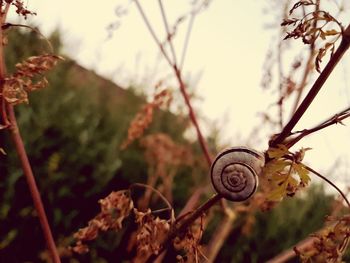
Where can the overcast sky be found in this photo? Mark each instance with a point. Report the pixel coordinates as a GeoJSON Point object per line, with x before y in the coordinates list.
{"type": "Point", "coordinates": [229, 43]}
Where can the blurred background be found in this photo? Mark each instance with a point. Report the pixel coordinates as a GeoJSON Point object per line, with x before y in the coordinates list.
{"type": "Point", "coordinates": [73, 129]}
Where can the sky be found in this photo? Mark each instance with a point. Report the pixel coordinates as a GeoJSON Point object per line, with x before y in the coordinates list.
{"type": "Point", "coordinates": [227, 50]}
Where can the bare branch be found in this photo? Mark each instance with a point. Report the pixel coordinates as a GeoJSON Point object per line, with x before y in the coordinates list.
{"type": "Point", "coordinates": [183, 225]}
{"type": "Point", "coordinates": [343, 47]}
{"type": "Point", "coordinates": [169, 206]}
{"type": "Point", "coordinates": [335, 119]}
{"type": "Point", "coordinates": [169, 35]}
{"type": "Point", "coordinates": [187, 40]}
{"type": "Point", "coordinates": [182, 86]}
{"type": "Point", "coordinates": [150, 29]}
{"type": "Point", "coordinates": [27, 170]}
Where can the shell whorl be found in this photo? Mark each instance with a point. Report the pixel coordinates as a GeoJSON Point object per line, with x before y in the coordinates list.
{"type": "Point", "coordinates": [235, 171]}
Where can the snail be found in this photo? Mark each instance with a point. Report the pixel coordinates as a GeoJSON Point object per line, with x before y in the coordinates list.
{"type": "Point", "coordinates": [235, 171]}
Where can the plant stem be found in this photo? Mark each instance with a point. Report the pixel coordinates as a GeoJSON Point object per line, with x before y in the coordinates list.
{"type": "Point", "coordinates": [337, 118]}
{"type": "Point", "coordinates": [329, 182]}
{"type": "Point", "coordinates": [181, 226]}
{"type": "Point", "coordinates": [167, 30]}
{"type": "Point", "coordinates": [182, 85]}
{"type": "Point", "coordinates": [22, 155]}
{"type": "Point", "coordinates": [193, 117]}
{"type": "Point", "coordinates": [39, 207]}
{"type": "Point", "coordinates": [187, 40]}
{"type": "Point", "coordinates": [343, 47]}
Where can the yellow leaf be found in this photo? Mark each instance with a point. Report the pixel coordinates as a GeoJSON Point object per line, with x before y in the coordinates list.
{"type": "Point", "coordinates": [292, 181]}
{"type": "Point", "coordinates": [302, 172]}
{"type": "Point", "coordinates": [278, 152]}
{"type": "Point", "coordinates": [278, 193]}
{"type": "Point", "coordinates": [276, 166]}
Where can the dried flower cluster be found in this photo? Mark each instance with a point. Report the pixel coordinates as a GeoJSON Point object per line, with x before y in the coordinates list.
{"type": "Point", "coordinates": [330, 244]}
{"type": "Point", "coordinates": [187, 242]}
{"type": "Point", "coordinates": [144, 118]}
{"type": "Point", "coordinates": [313, 26]}
{"type": "Point", "coordinates": [151, 233]}
{"type": "Point", "coordinates": [164, 158]}
{"type": "Point", "coordinates": [21, 9]}
{"type": "Point", "coordinates": [114, 209]}
{"type": "Point", "coordinates": [285, 172]}
{"type": "Point", "coordinates": [28, 77]}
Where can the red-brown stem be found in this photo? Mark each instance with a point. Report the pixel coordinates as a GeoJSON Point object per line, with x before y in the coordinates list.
{"type": "Point", "coordinates": [186, 223]}
{"type": "Point", "coordinates": [198, 212]}
{"type": "Point", "coordinates": [2, 73]}
{"type": "Point", "coordinates": [169, 36]}
{"type": "Point", "coordinates": [182, 85]}
{"type": "Point", "coordinates": [22, 155]}
{"type": "Point", "coordinates": [290, 253]}
{"type": "Point", "coordinates": [193, 117]}
{"type": "Point", "coordinates": [153, 34]}
{"type": "Point", "coordinates": [338, 118]}
{"type": "Point", "coordinates": [39, 207]}
{"type": "Point", "coordinates": [187, 40]}
{"type": "Point", "coordinates": [343, 47]}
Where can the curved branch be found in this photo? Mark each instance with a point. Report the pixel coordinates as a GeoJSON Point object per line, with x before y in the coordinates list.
{"type": "Point", "coordinates": [172, 216]}
{"type": "Point", "coordinates": [329, 182]}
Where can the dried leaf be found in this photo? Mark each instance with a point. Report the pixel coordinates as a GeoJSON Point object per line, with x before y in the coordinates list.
{"type": "Point", "coordinates": [144, 118]}
{"type": "Point", "coordinates": [151, 233]}
{"type": "Point", "coordinates": [114, 209]}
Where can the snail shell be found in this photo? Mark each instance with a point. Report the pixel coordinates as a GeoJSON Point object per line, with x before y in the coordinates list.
{"type": "Point", "coordinates": [235, 171]}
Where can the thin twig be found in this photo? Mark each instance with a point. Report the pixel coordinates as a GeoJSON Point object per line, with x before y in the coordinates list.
{"type": "Point", "coordinates": [308, 65]}
{"type": "Point", "coordinates": [187, 40]}
{"type": "Point", "coordinates": [182, 85]}
{"type": "Point", "coordinates": [181, 226]}
{"type": "Point", "coordinates": [150, 29]}
{"type": "Point", "coordinates": [343, 47]}
{"type": "Point", "coordinates": [193, 117]}
{"type": "Point", "coordinates": [172, 216]}
{"type": "Point", "coordinates": [329, 182]}
{"type": "Point", "coordinates": [169, 35]}
{"type": "Point", "coordinates": [335, 119]}
{"type": "Point", "coordinates": [7, 25]}
{"type": "Point", "coordinates": [288, 254]}
{"type": "Point", "coordinates": [198, 212]}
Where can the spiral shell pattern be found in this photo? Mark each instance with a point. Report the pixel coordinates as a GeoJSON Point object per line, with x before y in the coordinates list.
{"type": "Point", "coordinates": [235, 171]}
